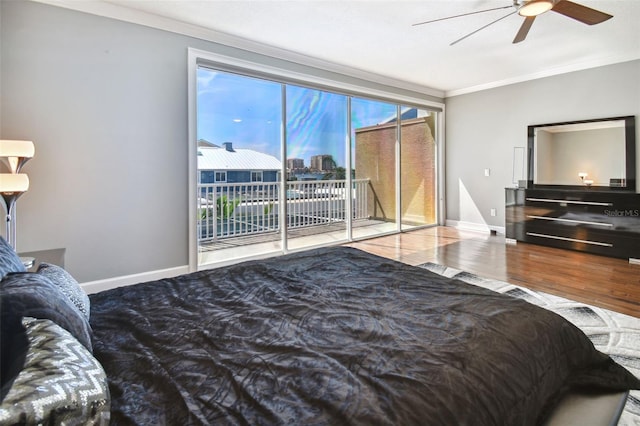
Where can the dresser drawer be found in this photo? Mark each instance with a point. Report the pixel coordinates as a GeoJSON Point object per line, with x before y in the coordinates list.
{"type": "Point", "coordinates": [606, 223]}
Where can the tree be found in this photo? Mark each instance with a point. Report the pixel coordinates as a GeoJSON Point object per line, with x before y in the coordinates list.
{"type": "Point", "coordinates": [339, 173]}
{"type": "Point", "coordinates": [225, 207]}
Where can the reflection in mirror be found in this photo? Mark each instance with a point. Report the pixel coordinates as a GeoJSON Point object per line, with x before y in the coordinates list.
{"type": "Point", "coordinates": [518, 164]}
{"type": "Point", "coordinates": [574, 154]}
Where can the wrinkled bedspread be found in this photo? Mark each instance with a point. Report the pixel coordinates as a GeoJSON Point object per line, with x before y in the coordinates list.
{"type": "Point", "coordinates": [335, 336]}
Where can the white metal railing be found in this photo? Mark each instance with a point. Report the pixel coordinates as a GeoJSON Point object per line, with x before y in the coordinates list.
{"type": "Point", "coordinates": [231, 210]}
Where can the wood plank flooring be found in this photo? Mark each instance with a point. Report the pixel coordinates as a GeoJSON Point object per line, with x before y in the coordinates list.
{"type": "Point", "coordinates": [596, 280]}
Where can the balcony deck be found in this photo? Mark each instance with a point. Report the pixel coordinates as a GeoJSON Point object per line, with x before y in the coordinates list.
{"type": "Point", "coordinates": [247, 246]}
{"type": "Point", "coordinates": [241, 221]}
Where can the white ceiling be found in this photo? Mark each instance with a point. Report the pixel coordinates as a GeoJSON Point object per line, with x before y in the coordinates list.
{"type": "Point", "coordinates": [377, 36]}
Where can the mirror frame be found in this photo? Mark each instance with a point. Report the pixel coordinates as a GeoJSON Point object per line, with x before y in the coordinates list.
{"type": "Point", "coordinates": [630, 155]}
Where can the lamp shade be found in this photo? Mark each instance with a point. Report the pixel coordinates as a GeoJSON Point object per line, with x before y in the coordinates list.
{"type": "Point", "coordinates": [13, 183]}
{"type": "Point", "coordinates": [16, 153]}
{"type": "Point", "coordinates": [12, 148]}
{"type": "Point", "coordinates": [535, 7]}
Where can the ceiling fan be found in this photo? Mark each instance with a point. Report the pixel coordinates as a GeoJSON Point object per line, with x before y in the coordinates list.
{"type": "Point", "coordinates": [530, 9]}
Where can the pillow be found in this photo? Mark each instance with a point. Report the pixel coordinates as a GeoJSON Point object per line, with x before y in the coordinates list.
{"type": "Point", "coordinates": [68, 285]}
{"type": "Point", "coordinates": [61, 382]}
{"type": "Point", "coordinates": [13, 348]}
{"type": "Point", "coordinates": [34, 295]}
{"type": "Point", "coordinates": [9, 259]}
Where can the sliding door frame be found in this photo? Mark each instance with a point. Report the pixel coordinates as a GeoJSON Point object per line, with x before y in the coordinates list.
{"type": "Point", "coordinates": [266, 69]}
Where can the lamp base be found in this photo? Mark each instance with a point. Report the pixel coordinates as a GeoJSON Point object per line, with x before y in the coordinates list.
{"type": "Point", "coordinates": [10, 201]}
{"type": "Point", "coordinates": [28, 262]}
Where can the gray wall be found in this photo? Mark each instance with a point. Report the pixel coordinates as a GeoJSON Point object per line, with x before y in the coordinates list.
{"type": "Point", "coordinates": [105, 103]}
{"type": "Point", "coordinates": [483, 127]}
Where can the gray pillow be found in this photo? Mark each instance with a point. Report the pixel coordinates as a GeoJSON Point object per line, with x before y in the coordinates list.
{"type": "Point", "coordinates": [34, 295]}
{"type": "Point", "coordinates": [9, 260]}
{"type": "Point", "coordinates": [61, 382]}
{"type": "Point", "coordinates": [68, 285]}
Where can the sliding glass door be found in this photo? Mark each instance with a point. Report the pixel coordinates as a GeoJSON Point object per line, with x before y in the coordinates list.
{"type": "Point", "coordinates": [239, 165]}
{"type": "Point", "coordinates": [316, 129]}
{"type": "Point", "coordinates": [282, 167]}
{"type": "Point", "coordinates": [417, 153]}
{"type": "Point", "coordinates": [374, 143]}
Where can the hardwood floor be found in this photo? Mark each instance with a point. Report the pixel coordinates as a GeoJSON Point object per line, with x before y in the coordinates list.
{"type": "Point", "coordinates": [596, 280]}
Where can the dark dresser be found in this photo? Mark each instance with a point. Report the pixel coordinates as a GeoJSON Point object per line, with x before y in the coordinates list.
{"type": "Point", "coordinates": [605, 222]}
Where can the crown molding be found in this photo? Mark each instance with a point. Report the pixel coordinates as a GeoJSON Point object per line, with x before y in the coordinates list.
{"type": "Point", "coordinates": [581, 66]}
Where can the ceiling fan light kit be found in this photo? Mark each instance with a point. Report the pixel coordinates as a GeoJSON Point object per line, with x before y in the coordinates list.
{"type": "Point", "coordinates": [535, 7]}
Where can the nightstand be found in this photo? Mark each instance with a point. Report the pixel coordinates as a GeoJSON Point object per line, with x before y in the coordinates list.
{"type": "Point", "coordinates": [52, 256]}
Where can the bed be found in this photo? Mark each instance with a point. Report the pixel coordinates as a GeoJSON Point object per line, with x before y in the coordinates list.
{"type": "Point", "coordinates": [334, 336]}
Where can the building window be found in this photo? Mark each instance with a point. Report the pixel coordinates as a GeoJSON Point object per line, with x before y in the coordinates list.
{"type": "Point", "coordinates": [221, 177]}
{"type": "Point", "coordinates": [256, 176]}
{"type": "Point", "coordinates": [206, 176]}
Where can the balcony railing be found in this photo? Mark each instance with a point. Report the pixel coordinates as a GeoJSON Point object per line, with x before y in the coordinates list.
{"type": "Point", "coordinates": [239, 209]}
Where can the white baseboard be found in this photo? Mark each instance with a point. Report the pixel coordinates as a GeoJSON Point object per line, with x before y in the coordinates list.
{"type": "Point", "coordinates": [125, 280]}
{"type": "Point", "coordinates": [498, 229]}
{"type": "Point", "coordinates": [476, 227]}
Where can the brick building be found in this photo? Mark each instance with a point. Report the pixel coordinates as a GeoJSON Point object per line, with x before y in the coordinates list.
{"type": "Point", "coordinates": [375, 159]}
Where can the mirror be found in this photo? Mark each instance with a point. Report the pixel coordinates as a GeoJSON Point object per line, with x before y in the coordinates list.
{"type": "Point", "coordinates": [597, 154]}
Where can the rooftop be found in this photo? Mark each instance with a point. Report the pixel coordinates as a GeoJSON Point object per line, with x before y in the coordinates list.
{"type": "Point", "coordinates": [229, 158]}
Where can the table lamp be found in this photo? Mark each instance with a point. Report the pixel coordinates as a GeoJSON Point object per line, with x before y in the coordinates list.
{"type": "Point", "coordinates": [14, 154]}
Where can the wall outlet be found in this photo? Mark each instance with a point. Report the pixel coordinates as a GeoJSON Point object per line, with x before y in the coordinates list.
{"type": "Point", "coordinates": [487, 172]}
{"type": "Point", "coordinates": [493, 212]}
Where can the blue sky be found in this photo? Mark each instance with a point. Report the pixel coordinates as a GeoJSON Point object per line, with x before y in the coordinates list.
{"type": "Point", "coordinates": [248, 112]}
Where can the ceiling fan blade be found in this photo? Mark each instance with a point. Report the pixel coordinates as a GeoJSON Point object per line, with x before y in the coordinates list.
{"type": "Point", "coordinates": [524, 29]}
{"type": "Point", "coordinates": [482, 28]}
{"type": "Point", "coordinates": [580, 13]}
{"type": "Point", "coordinates": [461, 15]}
